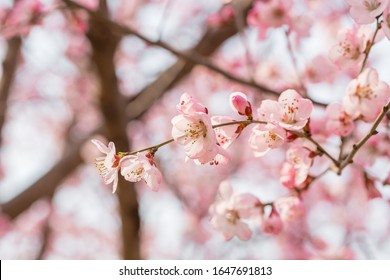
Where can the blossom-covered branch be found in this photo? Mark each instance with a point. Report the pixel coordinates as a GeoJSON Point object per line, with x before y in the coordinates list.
{"type": "Point", "coordinates": [205, 139]}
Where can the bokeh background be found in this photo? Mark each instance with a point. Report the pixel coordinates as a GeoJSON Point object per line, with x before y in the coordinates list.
{"type": "Point", "coordinates": [106, 70]}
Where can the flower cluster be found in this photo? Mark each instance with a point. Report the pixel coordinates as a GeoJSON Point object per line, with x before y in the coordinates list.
{"type": "Point", "coordinates": [133, 168]}
{"type": "Point", "coordinates": [366, 11]}
{"type": "Point", "coordinates": [193, 129]}
{"type": "Point", "coordinates": [232, 213]}
{"type": "Point", "coordinates": [365, 98]}
{"type": "Point", "coordinates": [205, 139]}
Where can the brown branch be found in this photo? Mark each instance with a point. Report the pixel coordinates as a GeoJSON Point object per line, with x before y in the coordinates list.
{"type": "Point", "coordinates": [370, 44]}
{"type": "Point", "coordinates": [210, 42]}
{"type": "Point", "coordinates": [46, 236]}
{"type": "Point", "coordinates": [47, 184]}
{"type": "Point", "coordinates": [104, 44]}
{"type": "Point", "coordinates": [318, 145]}
{"type": "Point", "coordinates": [294, 62]}
{"type": "Point", "coordinates": [9, 69]}
{"type": "Point", "coordinates": [194, 56]}
{"type": "Point", "coordinates": [355, 148]}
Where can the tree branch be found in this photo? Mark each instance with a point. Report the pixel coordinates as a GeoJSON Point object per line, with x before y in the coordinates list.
{"type": "Point", "coordinates": [210, 42]}
{"type": "Point", "coordinates": [47, 184]}
{"type": "Point", "coordinates": [370, 44]}
{"type": "Point", "coordinates": [104, 43]}
{"type": "Point", "coordinates": [195, 56]}
{"type": "Point", "coordinates": [9, 69]}
{"type": "Point", "coordinates": [358, 145]}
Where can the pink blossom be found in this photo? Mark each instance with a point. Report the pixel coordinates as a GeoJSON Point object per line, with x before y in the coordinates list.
{"type": "Point", "coordinates": [228, 133]}
{"type": "Point", "coordinates": [222, 157]}
{"type": "Point", "coordinates": [22, 16]}
{"type": "Point", "coordinates": [386, 22]}
{"type": "Point", "coordinates": [224, 15]}
{"type": "Point", "coordinates": [266, 137]}
{"type": "Point", "coordinates": [320, 69]}
{"type": "Point", "coordinates": [377, 146]}
{"type": "Point", "coordinates": [189, 105]}
{"type": "Point", "coordinates": [270, 74]}
{"type": "Point", "coordinates": [266, 14]}
{"type": "Point", "coordinates": [239, 102]}
{"type": "Point", "coordinates": [109, 165]}
{"type": "Point", "coordinates": [365, 11]}
{"type": "Point", "coordinates": [291, 111]}
{"type": "Point", "coordinates": [290, 208]}
{"type": "Point", "coordinates": [338, 121]}
{"type": "Point", "coordinates": [91, 4]}
{"type": "Point", "coordinates": [300, 25]}
{"type": "Point", "coordinates": [273, 224]}
{"type": "Point", "coordinates": [24, 11]}
{"type": "Point", "coordinates": [366, 96]}
{"type": "Point", "coordinates": [137, 167]}
{"type": "Point", "coordinates": [293, 178]}
{"type": "Point", "coordinates": [196, 134]}
{"type": "Point", "coordinates": [300, 157]}
{"type": "Point", "coordinates": [228, 211]}
{"type": "Point", "coordinates": [352, 43]}
{"type": "Point", "coordinates": [287, 175]}
{"type": "Point", "coordinates": [5, 224]}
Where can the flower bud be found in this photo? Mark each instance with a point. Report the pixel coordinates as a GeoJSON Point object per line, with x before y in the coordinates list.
{"type": "Point", "coordinates": [273, 224]}
{"type": "Point", "coordinates": [239, 103]}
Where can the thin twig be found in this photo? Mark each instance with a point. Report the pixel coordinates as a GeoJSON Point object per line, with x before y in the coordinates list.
{"type": "Point", "coordinates": [370, 43]}
{"type": "Point", "coordinates": [294, 62]}
{"type": "Point", "coordinates": [341, 148]}
{"type": "Point", "coordinates": [245, 123]}
{"type": "Point", "coordinates": [318, 145]}
{"type": "Point", "coordinates": [240, 20]}
{"type": "Point", "coordinates": [193, 57]}
{"type": "Point", "coordinates": [358, 145]}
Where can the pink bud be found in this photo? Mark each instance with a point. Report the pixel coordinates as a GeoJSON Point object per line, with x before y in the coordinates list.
{"type": "Point", "coordinates": [239, 102]}
{"type": "Point", "coordinates": [273, 224]}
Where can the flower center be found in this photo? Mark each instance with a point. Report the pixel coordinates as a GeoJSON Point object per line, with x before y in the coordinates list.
{"type": "Point", "coordinates": [364, 92]}
{"type": "Point", "coordinates": [349, 51]}
{"type": "Point", "coordinates": [272, 135]}
{"type": "Point", "coordinates": [196, 130]}
{"type": "Point", "coordinates": [232, 216]}
{"type": "Point", "coordinates": [289, 114]}
{"type": "Point", "coordinates": [137, 173]}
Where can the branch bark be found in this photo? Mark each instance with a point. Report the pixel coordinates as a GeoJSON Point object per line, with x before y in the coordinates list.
{"type": "Point", "coordinates": [9, 69]}
{"type": "Point", "coordinates": [46, 185]}
{"type": "Point", "coordinates": [356, 147]}
{"type": "Point", "coordinates": [104, 44]}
